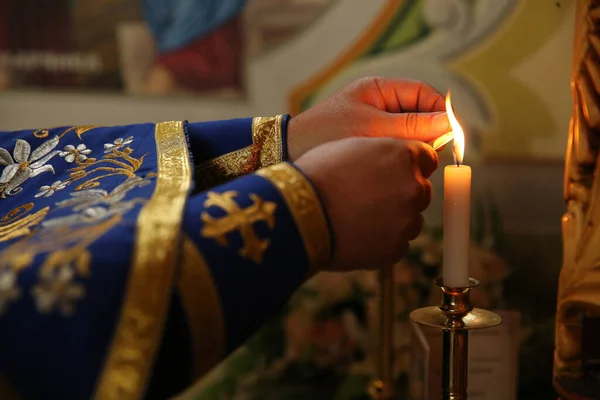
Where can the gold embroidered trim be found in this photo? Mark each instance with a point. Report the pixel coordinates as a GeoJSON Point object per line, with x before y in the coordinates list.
{"type": "Point", "coordinates": [223, 168]}
{"type": "Point", "coordinates": [267, 140]}
{"type": "Point", "coordinates": [305, 207]}
{"type": "Point", "coordinates": [146, 303]}
{"type": "Point", "coordinates": [202, 305]}
{"type": "Point", "coordinates": [266, 149]}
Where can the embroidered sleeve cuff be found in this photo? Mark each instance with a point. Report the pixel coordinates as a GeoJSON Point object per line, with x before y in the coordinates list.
{"type": "Point", "coordinates": [256, 238]}
{"type": "Point", "coordinates": [225, 150]}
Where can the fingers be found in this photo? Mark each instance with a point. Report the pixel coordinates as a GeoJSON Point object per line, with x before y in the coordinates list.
{"type": "Point", "coordinates": [420, 126]}
{"type": "Point", "coordinates": [427, 161]}
{"type": "Point", "coordinates": [425, 158]}
{"type": "Point", "coordinates": [426, 196]}
{"type": "Point", "coordinates": [423, 127]}
{"type": "Point", "coordinates": [408, 109]}
{"type": "Point", "coordinates": [403, 95]}
{"type": "Point", "coordinates": [410, 233]}
{"type": "Point", "coordinates": [414, 229]}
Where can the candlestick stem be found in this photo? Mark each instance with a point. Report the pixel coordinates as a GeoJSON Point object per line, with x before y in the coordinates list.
{"type": "Point", "coordinates": [454, 370]}
{"type": "Point", "coordinates": [382, 387]}
{"type": "Point", "coordinates": [455, 316]}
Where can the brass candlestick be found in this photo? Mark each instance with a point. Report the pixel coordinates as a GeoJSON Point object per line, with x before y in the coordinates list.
{"type": "Point", "coordinates": [382, 387]}
{"type": "Point", "coordinates": [456, 317]}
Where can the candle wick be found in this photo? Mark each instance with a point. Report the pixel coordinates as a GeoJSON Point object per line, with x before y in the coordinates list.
{"type": "Point", "coordinates": [456, 159]}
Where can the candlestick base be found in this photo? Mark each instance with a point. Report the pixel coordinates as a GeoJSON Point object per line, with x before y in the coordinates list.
{"type": "Point", "coordinates": [455, 316]}
{"type": "Point", "coordinates": [380, 390]}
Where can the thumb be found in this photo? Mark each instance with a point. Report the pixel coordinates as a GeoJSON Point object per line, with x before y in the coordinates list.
{"type": "Point", "coordinates": [420, 126]}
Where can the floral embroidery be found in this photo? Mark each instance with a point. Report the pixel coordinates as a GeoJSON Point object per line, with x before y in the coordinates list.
{"type": "Point", "coordinates": [9, 291]}
{"type": "Point", "coordinates": [91, 215]}
{"type": "Point", "coordinates": [117, 162]}
{"type": "Point", "coordinates": [72, 153]}
{"type": "Point", "coordinates": [117, 144]}
{"type": "Point", "coordinates": [24, 164]}
{"type": "Point", "coordinates": [94, 205]}
{"type": "Point", "coordinates": [48, 191]}
{"type": "Point", "coordinates": [64, 240]}
{"type": "Point", "coordinates": [57, 290]}
{"type": "Point", "coordinates": [91, 197]}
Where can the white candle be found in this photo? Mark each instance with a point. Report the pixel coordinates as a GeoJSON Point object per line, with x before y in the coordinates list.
{"type": "Point", "coordinates": [457, 225]}
{"type": "Point", "coordinates": [457, 210]}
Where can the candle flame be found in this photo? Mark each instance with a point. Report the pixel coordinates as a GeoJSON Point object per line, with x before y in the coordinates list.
{"type": "Point", "coordinates": [458, 149]}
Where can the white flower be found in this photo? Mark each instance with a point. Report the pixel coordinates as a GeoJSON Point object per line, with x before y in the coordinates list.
{"type": "Point", "coordinates": [26, 163]}
{"type": "Point", "coordinates": [8, 288]}
{"type": "Point", "coordinates": [93, 205]}
{"type": "Point", "coordinates": [71, 153]}
{"type": "Point", "coordinates": [89, 215]}
{"type": "Point", "coordinates": [88, 198]}
{"type": "Point", "coordinates": [117, 144]}
{"type": "Point", "coordinates": [57, 290]}
{"type": "Point", "coordinates": [48, 191]}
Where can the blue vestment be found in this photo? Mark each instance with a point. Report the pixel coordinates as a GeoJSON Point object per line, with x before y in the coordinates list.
{"type": "Point", "coordinates": [134, 258]}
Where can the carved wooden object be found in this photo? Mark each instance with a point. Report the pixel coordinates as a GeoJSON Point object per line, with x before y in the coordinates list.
{"type": "Point", "coordinates": [577, 353]}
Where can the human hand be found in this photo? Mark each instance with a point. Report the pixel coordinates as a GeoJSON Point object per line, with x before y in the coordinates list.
{"type": "Point", "coordinates": [374, 191]}
{"type": "Point", "coordinates": [371, 107]}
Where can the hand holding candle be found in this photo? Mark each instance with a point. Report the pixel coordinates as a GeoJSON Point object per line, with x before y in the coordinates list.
{"type": "Point", "coordinates": [457, 210]}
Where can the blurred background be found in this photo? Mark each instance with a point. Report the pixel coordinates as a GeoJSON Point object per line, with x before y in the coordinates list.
{"type": "Point", "coordinates": [507, 62]}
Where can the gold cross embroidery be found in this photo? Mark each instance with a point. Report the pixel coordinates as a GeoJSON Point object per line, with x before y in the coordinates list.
{"type": "Point", "coordinates": [242, 219]}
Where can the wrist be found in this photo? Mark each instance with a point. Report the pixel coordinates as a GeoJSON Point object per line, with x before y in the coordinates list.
{"type": "Point", "coordinates": [293, 150]}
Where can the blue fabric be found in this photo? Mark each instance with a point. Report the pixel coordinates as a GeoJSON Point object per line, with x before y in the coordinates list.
{"type": "Point", "coordinates": [176, 23]}
{"type": "Point", "coordinates": [174, 365]}
{"type": "Point", "coordinates": [250, 293]}
{"type": "Point", "coordinates": [284, 134]}
{"type": "Point", "coordinates": [48, 354]}
{"type": "Point", "coordinates": [214, 138]}
{"type": "Point", "coordinates": [50, 351]}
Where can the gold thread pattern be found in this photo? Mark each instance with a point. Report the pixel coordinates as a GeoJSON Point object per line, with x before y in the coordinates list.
{"type": "Point", "coordinates": [150, 284]}
{"type": "Point", "coordinates": [79, 130]}
{"type": "Point", "coordinates": [68, 258]}
{"type": "Point", "coordinates": [202, 306]}
{"type": "Point", "coordinates": [70, 240]}
{"type": "Point", "coordinates": [267, 140]}
{"type": "Point", "coordinates": [25, 163]}
{"type": "Point", "coordinates": [223, 168]}
{"type": "Point", "coordinates": [239, 219]}
{"type": "Point", "coordinates": [266, 149]}
{"type": "Point", "coordinates": [18, 222]}
{"type": "Point", "coordinates": [306, 209]}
